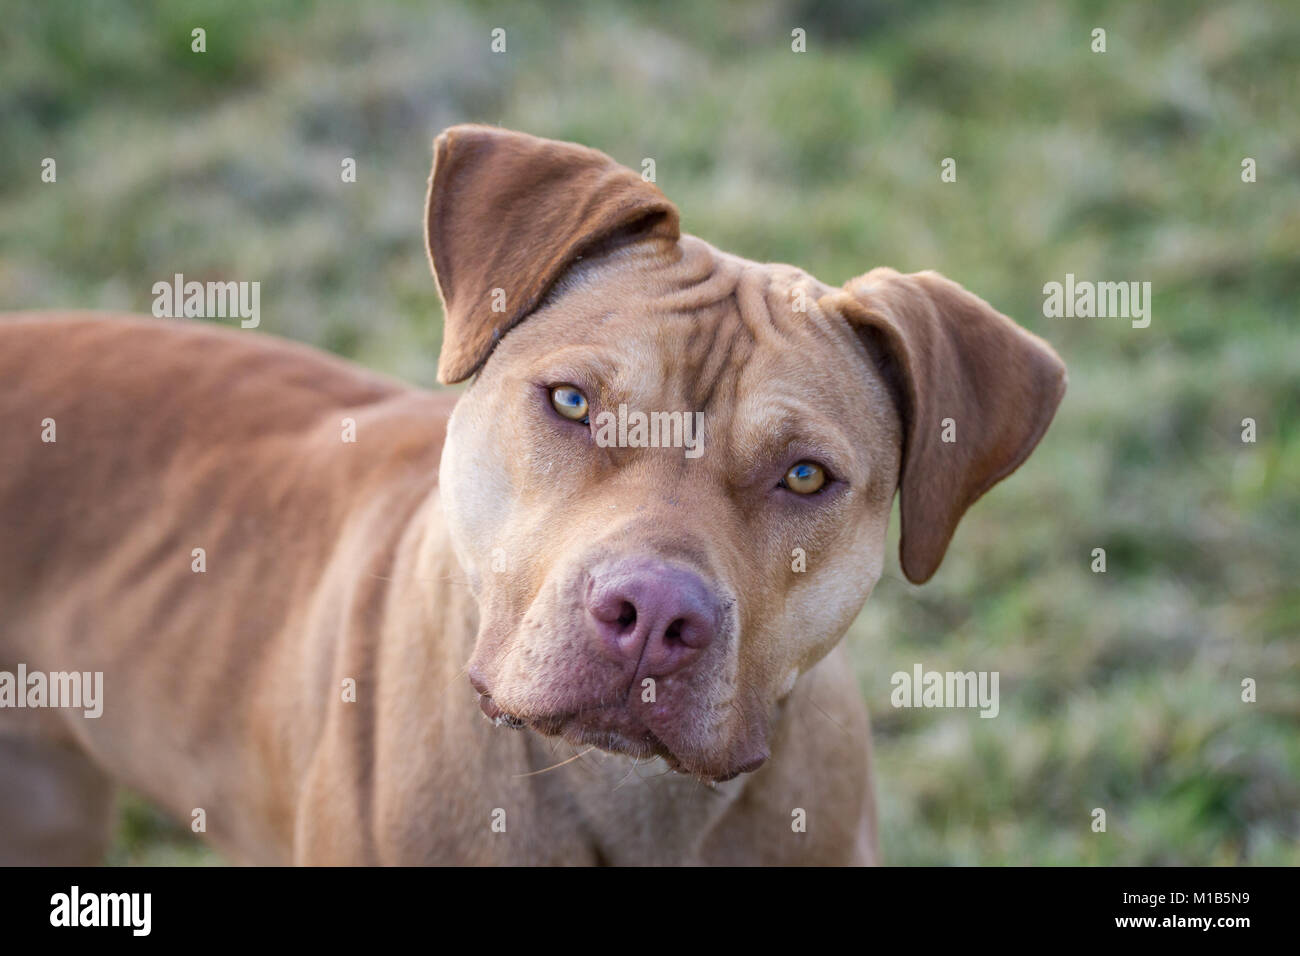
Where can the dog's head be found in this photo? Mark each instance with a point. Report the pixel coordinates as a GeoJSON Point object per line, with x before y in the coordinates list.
{"type": "Point", "coordinates": [670, 480]}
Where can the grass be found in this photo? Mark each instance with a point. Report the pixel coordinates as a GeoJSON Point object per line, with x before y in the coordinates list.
{"type": "Point", "coordinates": [1120, 691]}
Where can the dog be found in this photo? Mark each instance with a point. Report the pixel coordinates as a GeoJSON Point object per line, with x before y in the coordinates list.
{"type": "Point", "coordinates": [341, 620]}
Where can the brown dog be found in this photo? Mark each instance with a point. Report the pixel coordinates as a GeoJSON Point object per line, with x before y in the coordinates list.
{"type": "Point", "coordinates": [626, 599]}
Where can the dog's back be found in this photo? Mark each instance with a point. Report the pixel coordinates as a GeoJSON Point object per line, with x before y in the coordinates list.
{"type": "Point", "coordinates": [178, 430]}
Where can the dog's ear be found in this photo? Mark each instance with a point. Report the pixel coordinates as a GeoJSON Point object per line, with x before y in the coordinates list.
{"type": "Point", "coordinates": [507, 213]}
{"type": "Point", "coordinates": [948, 354]}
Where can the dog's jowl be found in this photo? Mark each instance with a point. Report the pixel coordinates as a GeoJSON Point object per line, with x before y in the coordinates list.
{"type": "Point", "coordinates": [662, 684]}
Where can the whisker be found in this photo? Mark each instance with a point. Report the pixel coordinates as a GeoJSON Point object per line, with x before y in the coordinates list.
{"type": "Point", "coordinates": [462, 582]}
{"type": "Point", "coordinates": [533, 773]}
{"type": "Point", "coordinates": [636, 762]}
{"type": "Point", "coordinates": [830, 718]}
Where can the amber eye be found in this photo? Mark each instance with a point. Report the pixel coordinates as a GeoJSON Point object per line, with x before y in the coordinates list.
{"type": "Point", "coordinates": [805, 478]}
{"type": "Point", "coordinates": [570, 403]}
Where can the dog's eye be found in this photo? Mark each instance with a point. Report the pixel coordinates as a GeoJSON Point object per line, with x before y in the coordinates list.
{"type": "Point", "coordinates": [805, 478]}
{"type": "Point", "coordinates": [570, 403]}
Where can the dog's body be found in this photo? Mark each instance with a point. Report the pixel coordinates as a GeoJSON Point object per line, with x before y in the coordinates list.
{"type": "Point", "coordinates": [302, 679]}
{"type": "Point", "coordinates": [324, 560]}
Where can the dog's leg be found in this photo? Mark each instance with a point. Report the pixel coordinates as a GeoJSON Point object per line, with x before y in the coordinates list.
{"type": "Point", "coordinates": [56, 807]}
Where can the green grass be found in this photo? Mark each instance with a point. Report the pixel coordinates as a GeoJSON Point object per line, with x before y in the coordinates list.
{"type": "Point", "coordinates": [1119, 690]}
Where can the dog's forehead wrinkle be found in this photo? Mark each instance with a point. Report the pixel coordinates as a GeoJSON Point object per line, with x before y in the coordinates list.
{"type": "Point", "coordinates": [716, 342]}
{"type": "Point", "coordinates": [700, 276]}
{"type": "Point", "coordinates": [752, 305]}
{"type": "Point", "coordinates": [712, 348]}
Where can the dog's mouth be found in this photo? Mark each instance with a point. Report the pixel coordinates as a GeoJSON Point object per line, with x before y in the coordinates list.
{"type": "Point", "coordinates": [612, 731]}
{"type": "Point", "coordinates": [604, 729]}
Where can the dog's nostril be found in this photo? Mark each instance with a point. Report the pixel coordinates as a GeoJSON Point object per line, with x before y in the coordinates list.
{"type": "Point", "coordinates": [626, 615]}
{"type": "Point", "coordinates": [673, 634]}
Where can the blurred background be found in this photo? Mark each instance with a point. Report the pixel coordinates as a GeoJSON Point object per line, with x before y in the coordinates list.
{"type": "Point", "coordinates": [1119, 690]}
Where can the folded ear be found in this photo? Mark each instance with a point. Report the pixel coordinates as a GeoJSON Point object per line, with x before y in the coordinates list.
{"type": "Point", "coordinates": [950, 356]}
{"type": "Point", "coordinates": [507, 213]}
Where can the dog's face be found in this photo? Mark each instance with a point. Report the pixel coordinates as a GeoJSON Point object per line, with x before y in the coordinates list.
{"type": "Point", "coordinates": [670, 483]}
{"type": "Point", "coordinates": [660, 600]}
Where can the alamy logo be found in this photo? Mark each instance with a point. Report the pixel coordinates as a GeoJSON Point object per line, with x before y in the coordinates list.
{"type": "Point", "coordinates": [1104, 300]}
{"type": "Point", "coordinates": [75, 908]}
{"type": "Point", "coordinates": [34, 689]}
{"type": "Point", "coordinates": [208, 300]}
{"type": "Point", "coordinates": [923, 688]}
{"type": "Point", "coordinates": [653, 430]}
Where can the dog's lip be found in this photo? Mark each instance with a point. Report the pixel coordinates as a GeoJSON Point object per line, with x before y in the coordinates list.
{"type": "Point", "coordinates": [496, 714]}
{"type": "Point", "coordinates": [749, 766]}
{"type": "Point", "coordinates": [554, 725]}
{"type": "Point", "coordinates": [576, 728]}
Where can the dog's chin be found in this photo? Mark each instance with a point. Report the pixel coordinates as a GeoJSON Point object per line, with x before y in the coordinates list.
{"type": "Point", "coordinates": [615, 732]}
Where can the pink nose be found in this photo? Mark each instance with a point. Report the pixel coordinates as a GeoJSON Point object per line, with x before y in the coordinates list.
{"type": "Point", "coordinates": [657, 617]}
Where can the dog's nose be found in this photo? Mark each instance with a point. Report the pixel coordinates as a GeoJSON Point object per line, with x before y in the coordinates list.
{"type": "Point", "coordinates": [658, 617]}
